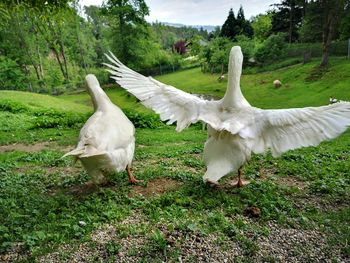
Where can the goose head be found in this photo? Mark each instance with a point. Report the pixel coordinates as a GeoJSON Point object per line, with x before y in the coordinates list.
{"type": "Point", "coordinates": [98, 96]}
{"type": "Point", "coordinates": [233, 96]}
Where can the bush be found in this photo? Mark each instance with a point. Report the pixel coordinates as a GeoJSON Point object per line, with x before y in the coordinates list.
{"type": "Point", "coordinates": [143, 120]}
{"type": "Point", "coordinates": [11, 106]}
{"type": "Point", "coordinates": [273, 48]}
{"type": "Point", "coordinates": [50, 118]}
{"type": "Point", "coordinates": [247, 45]}
{"type": "Point", "coordinates": [11, 77]}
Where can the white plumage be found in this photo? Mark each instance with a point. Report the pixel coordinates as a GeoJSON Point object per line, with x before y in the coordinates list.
{"type": "Point", "coordinates": [106, 141]}
{"type": "Point", "coordinates": [235, 128]}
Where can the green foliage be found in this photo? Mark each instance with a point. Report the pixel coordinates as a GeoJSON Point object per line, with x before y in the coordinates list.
{"type": "Point", "coordinates": [236, 26]}
{"type": "Point", "coordinates": [11, 77]}
{"type": "Point", "coordinates": [247, 45]}
{"type": "Point", "coordinates": [271, 49]}
{"type": "Point", "coordinates": [311, 28]}
{"type": "Point", "coordinates": [143, 120]}
{"type": "Point", "coordinates": [344, 29]}
{"type": "Point", "coordinates": [54, 119]}
{"type": "Point", "coordinates": [11, 106]}
{"type": "Point", "coordinates": [216, 55]}
{"type": "Point", "coordinates": [229, 28]}
{"type": "Point", "coordinates": [262, 25]}
{"type": "Point", "coordinates": [287, 18]}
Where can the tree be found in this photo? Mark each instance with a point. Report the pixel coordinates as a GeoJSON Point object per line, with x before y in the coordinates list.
{"type": "Point", "coordinates": [49, 23]}
{"type": "Point", "coordinates": [20, 40]}
{"type": "Point", "coordinates": [332, 10]}
{"type": "Point", "coordinates": [244, 25]}
{"type": "Point", "coordinates": [96, 21]}
{"type": "Point", "coordinates": [229, 28]}
{"type": "Point", "coordinates": [344, 29]}
{"type": "Point", "coordinates": [324, 22]}
{"type": "Point", "coordinates": [271, 49]}
{"type": "Point", "coordinates": [311, 28]}
{"type": "Point", "coordinates": [128, 25]}
{"type": "Point", "coordinates": [236, 26]}
{"type": "Point", "coordinates": [180, 47]}
{"type": "Point", "coordinates": [215, 33]}
{"type": "Point", "coordinates": [262, 25]}
{"type": "Point", "coordinates": [287, 18]}
{"type": "Point", "coordinates": [216, 54]}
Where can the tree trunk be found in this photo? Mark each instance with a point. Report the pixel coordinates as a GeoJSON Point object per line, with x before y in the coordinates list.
{"type": "Point", "coordinates": [66, 76]}
{"type": "Point", "coordinates": [60, 63]}
{"type": "Point", "coordinates": [291, 15]}
{"type": "Point", "coordinates": [329, 29]}
{"type": "Point", "coordinates": [24, 45]}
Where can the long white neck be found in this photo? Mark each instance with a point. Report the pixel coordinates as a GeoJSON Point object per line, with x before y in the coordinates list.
{"type": "Point", "coordinates": [233, 96]}
{"type": "Point", "coordinates": [99, 98]}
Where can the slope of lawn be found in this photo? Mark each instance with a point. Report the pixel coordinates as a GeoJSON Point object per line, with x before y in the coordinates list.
{"type": "Point", "coordinates": [50, 213]}
{"type": "Point", "coordinates": [259, 90]}
{"type": "Point", "coordinates": [34, 101]}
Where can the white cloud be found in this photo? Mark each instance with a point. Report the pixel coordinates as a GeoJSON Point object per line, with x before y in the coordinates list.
{"type": "Point", "coordinates": [203, 12]}
{"type": "Point", "coordinates": [198, 12]}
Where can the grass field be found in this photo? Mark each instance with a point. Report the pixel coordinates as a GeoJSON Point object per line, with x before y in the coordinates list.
{"type": "Point", "coordinates": [47, 213]}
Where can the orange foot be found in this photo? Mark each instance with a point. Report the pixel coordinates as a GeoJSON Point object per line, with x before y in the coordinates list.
{"type": "Point", "coordinates": [239, 183]}
{"type": "Point", "coordinates": [132, 180]}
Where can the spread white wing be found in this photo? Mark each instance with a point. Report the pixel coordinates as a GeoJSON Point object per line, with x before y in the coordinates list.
{"type": "Point", "coordinates": [282, 130]}
{"type": "Point", "coordinates": [171, 104]}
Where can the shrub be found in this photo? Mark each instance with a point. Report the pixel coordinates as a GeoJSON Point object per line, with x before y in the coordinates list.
{"type": "Point", "coordinates": [271, 49]}
{"type": "Point", "coordinates": [143, 120]}
{"type": "Point", "coordinates": [11, 77]}
{"type": "Point", "coordinates": [50, 118]}
{"type": "Point", "coordinates": [11, 106]}
{"type": "Point", "coordinates": [247, 45]}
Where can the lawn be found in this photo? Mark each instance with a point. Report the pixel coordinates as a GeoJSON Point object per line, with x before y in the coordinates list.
{"type": "Point", "coordinates": [48, 214]}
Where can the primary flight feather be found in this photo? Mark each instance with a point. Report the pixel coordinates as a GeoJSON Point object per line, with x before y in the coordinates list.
{"type": "Point", "coordinates": [235, 128]}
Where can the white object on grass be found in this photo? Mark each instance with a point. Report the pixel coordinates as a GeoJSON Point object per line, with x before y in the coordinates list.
{"type": "Point", "coordinates": [106, 142]}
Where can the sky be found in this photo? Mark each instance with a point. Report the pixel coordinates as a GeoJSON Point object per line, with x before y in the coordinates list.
{"type": "Point", "coordinates": [198, 12]}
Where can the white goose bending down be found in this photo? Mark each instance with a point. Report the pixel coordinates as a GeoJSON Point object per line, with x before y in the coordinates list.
{"type": "Point", "coordinates": [106, 141]}
{"type": "Point", "coordinates": [235, 128]}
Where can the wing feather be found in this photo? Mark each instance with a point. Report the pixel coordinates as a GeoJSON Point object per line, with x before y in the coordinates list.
{"type": "Point", "coordinates": [173, 105]}
{"type": "Point", "coordinates": [282, 130]}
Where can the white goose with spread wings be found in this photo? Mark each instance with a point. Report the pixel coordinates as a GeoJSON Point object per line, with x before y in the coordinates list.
{"type": "Point", "coordinates": [107, 140]}
{"type": "Point", "coordinates": [235, 128]}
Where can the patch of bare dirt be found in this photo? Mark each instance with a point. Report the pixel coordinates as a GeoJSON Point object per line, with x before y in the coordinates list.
{"type": "Point", "coordinates": [306, 201]}
{"type": "Point", "coordinates": [36, 147]}
{"type": "Point", "coordinates": [67, 170]}
{"type": "Point", "coordinates": [25, 147]}
{"type": "Point", "coordinates": [265, 172]}
{"type": "Point", "coordinates": [292, 182]}
{"type": "Point", "coordinates": [154, 187]}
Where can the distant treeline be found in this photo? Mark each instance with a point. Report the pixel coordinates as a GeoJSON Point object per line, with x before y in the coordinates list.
{"type": "Point", "coordinates": [49, 46]}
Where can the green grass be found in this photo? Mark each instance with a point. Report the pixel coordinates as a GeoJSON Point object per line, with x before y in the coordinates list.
{"type": "Point", "coordinates": [42, 199]}
{"type": "Point", "coordinates": [260, 92]}
{"type": "Point", "coordinates": [36, 101]}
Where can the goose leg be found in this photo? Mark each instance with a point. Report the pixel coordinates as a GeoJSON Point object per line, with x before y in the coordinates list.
{"type": "Point", "coordinates": [132, 179]}
{"type": "Point", "coordinates": [239, 183]}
